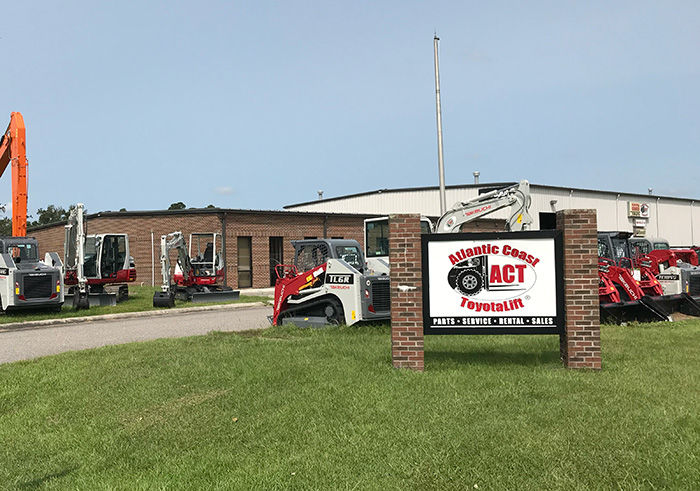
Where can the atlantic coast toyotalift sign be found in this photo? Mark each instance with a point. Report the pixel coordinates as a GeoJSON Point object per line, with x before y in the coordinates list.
{"type": "Point", "coordinates": [488, 283]}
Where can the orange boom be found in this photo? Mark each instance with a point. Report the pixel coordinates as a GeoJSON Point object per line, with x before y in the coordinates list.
{"type": "Point", "coordinates": [13, 148]}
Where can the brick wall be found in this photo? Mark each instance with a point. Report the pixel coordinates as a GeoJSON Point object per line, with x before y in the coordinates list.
{"type": "Point", "coordinates": [406, 304]}
{"type": "Point", "coordinates": [259, 226]}
{"type": "Point", "coordinates": [580, 343]}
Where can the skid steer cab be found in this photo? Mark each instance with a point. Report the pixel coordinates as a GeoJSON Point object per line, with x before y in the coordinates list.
{"type": "Point", "coordinates": [328, 284]}
{"type": "Point", "coordinates": [25, 281]}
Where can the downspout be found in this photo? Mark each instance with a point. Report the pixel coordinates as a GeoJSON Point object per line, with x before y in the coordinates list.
{"type": "Point", "coordinates": [657, 217]}
{"type": "Point", "coordinates": [692, 228]}
{"type": "Point", "coordinates": [222, 217]}
{"type": "Point", "coordinates": [617, 212]}
{"type": "Point", "coordinates": [325, 226]}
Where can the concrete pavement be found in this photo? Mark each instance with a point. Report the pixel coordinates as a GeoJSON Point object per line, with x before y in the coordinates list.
{"type": "Point", "coordinates": [34, 342]}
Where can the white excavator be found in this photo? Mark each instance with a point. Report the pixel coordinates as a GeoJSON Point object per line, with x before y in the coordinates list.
{"type": "Point", "coordinates": [195, 279]}
{"type": "Point", "coordinates": [97, 267]}
{"type": "Point", "coordinates": [331, 282]}
{"type": "Point", "coordinates": [517, 197]}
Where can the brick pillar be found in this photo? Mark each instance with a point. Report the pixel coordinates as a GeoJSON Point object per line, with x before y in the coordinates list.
{"type": "Point", "coordinates": [406, 292]}
{"type": "Point", "coordinates": [580, 343]}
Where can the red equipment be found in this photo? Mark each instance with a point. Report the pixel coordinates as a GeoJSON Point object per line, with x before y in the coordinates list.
{"type": "Point", "coordinates": [291, 282]}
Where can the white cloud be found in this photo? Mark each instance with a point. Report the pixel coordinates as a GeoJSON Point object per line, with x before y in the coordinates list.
{"type": "Point", "coordinates": [224, 190]}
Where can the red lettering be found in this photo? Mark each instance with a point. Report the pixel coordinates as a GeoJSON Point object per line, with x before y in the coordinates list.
{"type": "Point", "coordinates": [508, 271]}
{"type": "Point", "coordinates": [495, 276]}
{"type": "Point", "coordinates": [521, 272]}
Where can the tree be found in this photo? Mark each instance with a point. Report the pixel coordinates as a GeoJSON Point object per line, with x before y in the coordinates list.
{"type": "Point", "coordinates": [177, 206]}
{"type": "Point", "coordinates": [52, 214]}
{"type": "Point", "coordinates": [6, 226]}
{"type": "Point", "coordinates": [211, 206]}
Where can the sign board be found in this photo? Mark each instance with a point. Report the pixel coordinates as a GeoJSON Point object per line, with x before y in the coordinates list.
{"type": "Point", "coordinates": [493, 283]}
{"type": "Point", "coordinates": [637, 210]}
{"type": "Point", "coordinates": [639, 222]}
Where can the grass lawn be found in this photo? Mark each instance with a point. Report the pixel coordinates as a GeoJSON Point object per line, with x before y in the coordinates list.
{"type": "Point", "coordinates": [289, 408]}
{"type": "Point", "coordinates": [140, 299]}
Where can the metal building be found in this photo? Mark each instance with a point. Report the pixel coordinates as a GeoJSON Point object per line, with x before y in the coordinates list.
{"type": "Point", "coordinates": [675, 219]}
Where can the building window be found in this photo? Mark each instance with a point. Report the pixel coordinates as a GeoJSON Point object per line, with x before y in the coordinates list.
{"type": "Point", "coordinates": [276, 256]}
{"type": "Point", "coordinates": [245, 262]}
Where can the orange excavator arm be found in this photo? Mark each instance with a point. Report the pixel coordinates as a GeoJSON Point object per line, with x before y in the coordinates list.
{"type": "Point", "coordinates": [13, 148]}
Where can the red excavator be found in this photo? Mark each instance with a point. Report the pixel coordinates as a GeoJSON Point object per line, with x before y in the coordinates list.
{"type": "Point", "coordinates": [13, 148]}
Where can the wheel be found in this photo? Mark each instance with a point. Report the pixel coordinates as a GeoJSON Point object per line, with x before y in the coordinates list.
{"type": "Point", "coordinates": [334, 312]}
{"type": "Point", "coordinates": [469, 282]}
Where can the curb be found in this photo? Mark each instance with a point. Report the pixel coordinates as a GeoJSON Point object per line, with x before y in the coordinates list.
{"type": "Point", "coordinates": [22, 326]}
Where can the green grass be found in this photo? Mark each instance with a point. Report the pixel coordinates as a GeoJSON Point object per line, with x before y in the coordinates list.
{"type": "Point", "coordinates": [324, 409]}
{"type": "Point", "coordinates": [140, 300]}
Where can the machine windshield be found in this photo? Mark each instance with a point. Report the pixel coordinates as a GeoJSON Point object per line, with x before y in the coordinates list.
{"type": "Point", "coordinates": [24, 252]}
{"type": "Point", "coordinates": [377, 236]}
{"type": "Point", "coordinates": [351, 255]}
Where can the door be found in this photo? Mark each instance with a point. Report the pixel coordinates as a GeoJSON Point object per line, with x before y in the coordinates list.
{"type": "Point", "coordinates": [245, 262]}
{"type": "Point", "coordinates": [276, 257]}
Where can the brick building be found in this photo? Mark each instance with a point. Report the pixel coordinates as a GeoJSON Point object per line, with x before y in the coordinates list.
{"type": "Point", "coordinates": [253, 239]}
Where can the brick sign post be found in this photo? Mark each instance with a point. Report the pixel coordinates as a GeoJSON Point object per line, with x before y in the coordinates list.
{"type": "Point", "coordinates": [406, 292]}
{"type": "Point", "coordinates": [580, 342]}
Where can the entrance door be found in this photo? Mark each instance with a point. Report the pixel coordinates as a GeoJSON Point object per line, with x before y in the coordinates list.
{"type": "Point", "coordinates": [276, 257]}
{"type": "Point", "coordinates": [245, 262]}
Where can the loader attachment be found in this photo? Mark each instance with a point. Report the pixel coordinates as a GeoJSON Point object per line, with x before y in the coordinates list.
{"type": "Point", "coordinates": [206, 295]}
{"type": "Point", "coordinates": [631, 311]}
{"type": "Point", "coordinates": [164, 299]}
{"type": "Point", "coordinates": [93, 300]}
{"type": "Point", "coordinates": [669, 304]}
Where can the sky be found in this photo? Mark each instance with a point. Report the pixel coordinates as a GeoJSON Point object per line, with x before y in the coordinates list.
{"type": "Point", "coordinates": [259, 104]}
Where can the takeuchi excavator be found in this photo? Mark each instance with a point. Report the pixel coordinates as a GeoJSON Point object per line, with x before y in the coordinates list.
{"type": "Point", "coordinates": [13, 149]}
{"type": "Point", "coordinates": [196, 279]}
{"type": "Point", "coordinates": [98, 267]}
{"type": "Point", "coordinates": [516, 196]}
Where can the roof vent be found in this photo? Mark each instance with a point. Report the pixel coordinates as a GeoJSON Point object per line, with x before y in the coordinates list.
{"type": "Point", "coordinates": [476, 174]}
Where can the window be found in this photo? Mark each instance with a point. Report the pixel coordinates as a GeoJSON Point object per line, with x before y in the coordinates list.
{"type": "Point", "coordinates": [245, 262]}
{"type": "Point", "coordinates": [311, 255]}
{"type": "Point", "coordinates": [276, 257]}
{"type": "Point", "coordinates": [377, 238]}
{"type": "Point", "coordinates": [661, 245]}
{"type": "Point", "coordinates": [603, 249]}
{"type": "Point", "coordinates": [24, 252]}
{"type": "Point", "coordinates": [351, 255]}
{"type": "Point", "coordinates": [113, 255]}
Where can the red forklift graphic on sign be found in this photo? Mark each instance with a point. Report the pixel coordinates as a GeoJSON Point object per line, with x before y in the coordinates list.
{"type": "Point", "coordinates": [473, 274]}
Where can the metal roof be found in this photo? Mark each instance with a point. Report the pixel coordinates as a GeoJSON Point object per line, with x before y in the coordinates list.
{"type": "Point", "coordinates": [481, 185]}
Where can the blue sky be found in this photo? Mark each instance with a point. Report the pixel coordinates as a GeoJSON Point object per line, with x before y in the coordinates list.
{"type": "Point", "coordinates": [260, 104]}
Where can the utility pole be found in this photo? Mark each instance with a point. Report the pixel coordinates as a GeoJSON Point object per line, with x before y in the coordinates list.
{"type": "Point", "coordinates": [438, 110]}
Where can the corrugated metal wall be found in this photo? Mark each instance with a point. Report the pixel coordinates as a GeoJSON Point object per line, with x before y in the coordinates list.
{"type": "Point", "coordinates": [675, 219]}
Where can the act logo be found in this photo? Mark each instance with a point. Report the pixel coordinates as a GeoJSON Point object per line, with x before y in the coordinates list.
{"type": "Point", "coordinates": [492, 272]}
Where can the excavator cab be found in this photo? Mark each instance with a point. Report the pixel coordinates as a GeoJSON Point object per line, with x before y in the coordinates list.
{"type": "Point", "coordinates": [205, 255]}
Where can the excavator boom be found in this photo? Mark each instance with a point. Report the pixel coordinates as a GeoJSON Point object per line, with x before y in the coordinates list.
{"type": "Point", "coordinates": [13, 149]}
{"type": "Point", "coordinates": [516, 196]}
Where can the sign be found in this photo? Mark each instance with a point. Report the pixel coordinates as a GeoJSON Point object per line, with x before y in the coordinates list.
{"type": "Point", "coordinates": [639, 222]}
{"type": "Point", "coordinates": [493, 283]}
{"type": "Point", "coordinates": [637, 210]}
